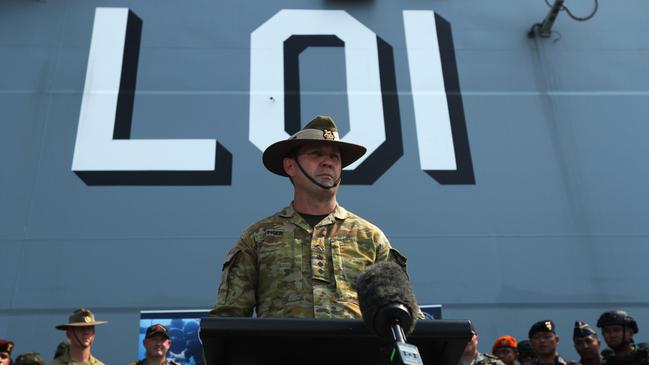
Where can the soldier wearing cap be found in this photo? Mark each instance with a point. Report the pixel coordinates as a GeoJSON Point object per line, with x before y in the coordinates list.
{"type": "Point", "coordinates": [80, 330]}
{"type": "Point", "coordinates": [505, 348]}
{"type": "Point", "coordinates": [304, 260]}
{"type": "Point", "coordinates": [157, 343]}
{"type": "Point", "coordinates": [29, 358]}
{"type": "Point", "coordinates": [618, 329]}
{"type": "Point", "coordinates": [525, 352]}
{"type": "Point", "coordinates": [544, 340]}
{"type": "Point", "coordinates": [587, 344]}
{"type": "Point", "coordinates": [471, 356]}
{"type": "Point", "coordinates": [6, 347]}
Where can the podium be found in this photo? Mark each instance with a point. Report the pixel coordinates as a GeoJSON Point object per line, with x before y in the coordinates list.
{"type": "Point", "coordinates": [284, 341]}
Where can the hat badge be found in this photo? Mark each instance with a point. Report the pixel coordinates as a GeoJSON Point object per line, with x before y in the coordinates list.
{"type": "Point", "coordinates": [328, 135]}
{"type": "Point", "coordinates": [10, 347]}
{"type": "Point", "coordinates": [87, 319]}
{"type": "Point", "coordinates": [548, 325]}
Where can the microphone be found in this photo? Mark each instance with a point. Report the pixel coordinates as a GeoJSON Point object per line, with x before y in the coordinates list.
{"type": "Point", "coordinates": [389, 308]}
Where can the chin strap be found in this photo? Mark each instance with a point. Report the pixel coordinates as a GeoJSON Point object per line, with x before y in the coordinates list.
{"type": "Point", "coordinates": [336, 183]}
{"type": "Point", "coordinates": [74, 332]}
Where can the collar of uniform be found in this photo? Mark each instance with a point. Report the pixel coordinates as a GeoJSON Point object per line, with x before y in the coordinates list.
{"type": "Point", "coordinates": [67, 359]}
{"type": "Point", "coordinates": [339, 212]}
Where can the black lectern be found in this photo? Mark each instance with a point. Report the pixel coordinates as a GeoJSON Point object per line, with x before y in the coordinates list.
{"type": "Point", "coordinates": [275, 341]}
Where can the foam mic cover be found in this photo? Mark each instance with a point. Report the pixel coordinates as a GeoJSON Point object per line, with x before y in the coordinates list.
{"type": "Point", "coordinates": [385, 298]}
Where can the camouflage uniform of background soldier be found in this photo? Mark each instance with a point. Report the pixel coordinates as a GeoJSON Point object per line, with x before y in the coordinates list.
{"type": "Point", "coordinates": [618, 329]}
{"type": "Point", "coordinates": [471, 356]}
{"type": "Point", "coordinates": [304, 262]}
{"type": "Point", "coordinates": [29, 358]}
{"type": "Point", "coordinates": [80, 330]}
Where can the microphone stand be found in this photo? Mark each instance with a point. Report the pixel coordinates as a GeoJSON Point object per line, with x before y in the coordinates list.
{"type": "Point", "coordinates": [402, 353]}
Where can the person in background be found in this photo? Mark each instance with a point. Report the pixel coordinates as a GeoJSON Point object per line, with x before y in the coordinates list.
{"type": "Point", "coordinates": [587, 344]}
{"type": "Point", "coordinates": [6, 346]}
{"type": "Point", "coordinates": [62, 348]}
{"type": "Point", "coordinates": [505, 348]}
{"type": "Point", "coordinates": [544, 340]}
{"type": "Point", "coordinates": [29, 358]}
{"type": "Point", "coordinates": [525, 352]}
{"type": "Point", "coordinates": [80, 330]}
{"type": "Point", "coordinates": [471, 356]}
{"type": "Point", "coordinates": [618, 329]}
{"type": "Point", "coordinates": [157, 343]}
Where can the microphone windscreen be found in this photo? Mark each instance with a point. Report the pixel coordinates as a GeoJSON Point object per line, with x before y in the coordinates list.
{"type": "Point", "coordinates": [383, 284]}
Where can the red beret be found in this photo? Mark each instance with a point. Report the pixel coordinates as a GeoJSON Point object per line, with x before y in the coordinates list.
{"type": "Point", "coordinates": [504, 341]}
{"type": "Point", "coordinates": [6, 345]}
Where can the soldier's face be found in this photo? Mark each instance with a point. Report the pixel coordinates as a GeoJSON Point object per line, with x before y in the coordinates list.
{"type": "Point", "coordinates": [507, 354]}
{"type": "Point", "coordinates": [587, 347]}
{"type": "Point", "coordinates": [4, 358]}
{"type": "Point", "coordinates": [321, 162]}
{"type": "Point", "coordinates": [157, 345]}
{"type": "Point", "coordinates": [614, 335]}
{"type": "Point", "coordinates": [471, 347]}
{"type": "Point", "coordinates": [81, 336]}
{"type": "Point", "coordinates": [544, 343]}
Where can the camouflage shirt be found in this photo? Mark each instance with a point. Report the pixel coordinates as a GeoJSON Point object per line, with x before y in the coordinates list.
{"type": "Point", "coordinates": [65, 359]}
{"type": "Point", "coordinates": [639, 356]}
{"type": "Point", "coordinates": [484, 359]}
{"type": "Point", "coordinates": [282, 267]}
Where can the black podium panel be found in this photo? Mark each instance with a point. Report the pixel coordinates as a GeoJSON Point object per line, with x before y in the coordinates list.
{"type": "Point", "coordinates": [274, 341]}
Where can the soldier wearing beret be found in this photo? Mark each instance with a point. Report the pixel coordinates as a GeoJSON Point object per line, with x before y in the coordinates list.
{"type": "Point", "coordinates": [80, 330]}
{"type": "Point", "coordinates": [587, 344]}
{"type": "Point", "coordinates": [29, 358]}
{"type": "Point", "coordinates": [544, 340]}
{"type": "Point", "coordinates": [618, 329]}
{"type": "Point", "coordinates": [6, 347]}
{"type": "Point", "coordinates": [157, 343]}
{"type": "Point", "coordinates": [304, 260]}
{"type": "Point", "coordinates": [471, 356]}
{"type": "Point", "coordinates": [505, 348]}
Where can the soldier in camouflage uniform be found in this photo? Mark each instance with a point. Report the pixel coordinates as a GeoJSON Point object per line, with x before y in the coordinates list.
{"type": "Point", "coordinates": [6, 347]}
{"type": "Point", "coordinates": [618, 329]}
{"type": "Point", "coordinates": [471, 356]}
{"type": "Point", "coordinates": [80, 330]}
{"type": "Point", "coordinates": [62, 348]}
{"type": "Point", "coordinates": [29, 358]}
{"type": "Point", "coordinates": [587, 344]}
{"type": "Point", "coordinates": [544, 340]}
{"type": "Point", "coordinates": [157, 343]}
{"type": "Point", "coordinates": [304, 260]}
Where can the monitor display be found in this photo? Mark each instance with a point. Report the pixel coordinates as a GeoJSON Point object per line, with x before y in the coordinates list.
{"type": "Point", "coordinates": [183, 327]}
